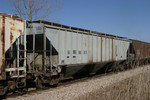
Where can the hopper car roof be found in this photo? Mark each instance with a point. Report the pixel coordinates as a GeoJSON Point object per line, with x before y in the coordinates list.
{"type": "Point", "coordinates": [75, 29]}
{"type": "Point", "coordinates": [139, 41]}
{"type": "Point", "coordinates": [8, 15]}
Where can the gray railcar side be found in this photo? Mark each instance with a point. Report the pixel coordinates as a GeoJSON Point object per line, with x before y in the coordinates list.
{"type": "Point", "coordinates": [71, 51]}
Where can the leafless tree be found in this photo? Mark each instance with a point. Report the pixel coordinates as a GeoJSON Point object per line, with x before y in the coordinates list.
{"type": "Point", "coordinates": [35, 9]}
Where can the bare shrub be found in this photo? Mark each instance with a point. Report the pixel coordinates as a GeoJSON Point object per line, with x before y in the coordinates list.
{"type": "Point", "coordinates": [35, 9]}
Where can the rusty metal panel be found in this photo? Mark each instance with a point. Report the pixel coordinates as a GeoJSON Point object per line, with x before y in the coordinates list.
{"type": "Point", "coordinates": [14, 28]}
{"type": "Point", "coordinates": [2, 64]}
{"type": "Point", "coordinates": [10, 30]}
{"type": "Point", "coordinates": [2, 46]}
{"type": "Point", "coordinates": [142, 49]}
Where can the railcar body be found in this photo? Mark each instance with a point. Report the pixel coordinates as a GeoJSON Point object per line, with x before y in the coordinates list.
{"type": "Point", "coordinates": [141, 49]}
{"type": "Point", "coordinates": [12, 59]}
{"type": "Point", "coordinates": [141, 52]}
{"type": "Point", "coordinates": [71, 51]}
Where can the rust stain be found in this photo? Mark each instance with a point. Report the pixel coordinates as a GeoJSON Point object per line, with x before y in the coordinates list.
{"type": "Point", "coordinates": [20, 20]}
{"type": "Point", "coordinates": [102, 40]}
{"type": "Point", "coordinates": [18, 30]}
{"type": "Point", "coordinates": [85, 44]}
{"type": "Point", "coordinates": [90, 60]}
{"type": "Point", "coordinates": [13, 29]}
{"type": "Point", "coordinates": [3, 47]}
{"type": "Point", "coordinates": [11, 37]}
{"type": "Point", "coordinates": [17, 19]}
{"type": "Point", "coordinates": [11, 23]}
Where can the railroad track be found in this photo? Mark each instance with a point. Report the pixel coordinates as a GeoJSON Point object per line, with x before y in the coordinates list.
{"type": "Point", "coordinates": [61, 84]}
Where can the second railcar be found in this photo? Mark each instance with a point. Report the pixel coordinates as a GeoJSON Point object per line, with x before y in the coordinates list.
{"type": "Point", "coordinates": [141, 51]}
{"type": "Point", "coordinates": [59, 50]}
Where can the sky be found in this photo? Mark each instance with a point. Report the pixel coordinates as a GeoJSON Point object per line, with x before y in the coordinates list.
{"type": "Point", "coordinates": [127, 18]}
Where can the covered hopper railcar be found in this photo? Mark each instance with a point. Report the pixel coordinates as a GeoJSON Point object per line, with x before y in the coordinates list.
{"type": "Point", "coordinates": [56, 51]}
{"type": "Point", "coordinates": [12, 53]}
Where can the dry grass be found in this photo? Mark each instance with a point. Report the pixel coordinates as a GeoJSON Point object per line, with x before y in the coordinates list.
{"type": "Point", "coordinates": [128, 85]}
{"type": "Point", "coordinates": [133, 88]}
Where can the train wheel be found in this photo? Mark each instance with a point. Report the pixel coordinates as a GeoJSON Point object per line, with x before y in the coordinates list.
{"type": "Point", "coordinates": [54, 82]}
{"type": "Point", "coordinates": [3, 92]}
{"type": "Point", "coordinates": [39, 84]}
{"type": "Point", "coordinates": [23, 91]}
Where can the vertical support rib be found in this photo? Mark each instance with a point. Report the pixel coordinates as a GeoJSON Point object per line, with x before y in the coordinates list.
{"type": "Point", "coordinates": [82, 51]}
{"type": "Point", "coordinates": [101, 49]}
{"type": "Point", "coordinates": [33, 50]}
{"type": "Point", "coordinates": [59, 47]}
{"type": "Point", "coordinates": [77, 53]}
{"type": "Point", "coordinates": [92, 48]}
{"type": "Point", "coordinates": [18, 55]}
{"type": "Point", "coordinates": [88, 47]}
{"type": "Point", "coordinates": [25, 59]}
{"type": "Point", "coordinates": [71, 48]}
{"type": "Point", "coordinates": [97, 49]}
{"type": "Point", "coordinates": [51, 55]}
{"type": "Point", "coordinates": [65, 42]}
{"type": "Point", "coordinates": [3, 76]}
{"type": "Point", "coordinates": [44, 50]}
{"type": "Point", "coordinates": [112, 49]}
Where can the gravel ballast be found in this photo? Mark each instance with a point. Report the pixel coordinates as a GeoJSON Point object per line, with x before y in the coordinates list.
{"type": "Point", "coordinates": [116, 86]}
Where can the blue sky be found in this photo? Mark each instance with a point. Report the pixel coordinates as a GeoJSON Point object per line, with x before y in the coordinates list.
{"type": "Point", "coordinates": [127, 18]}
